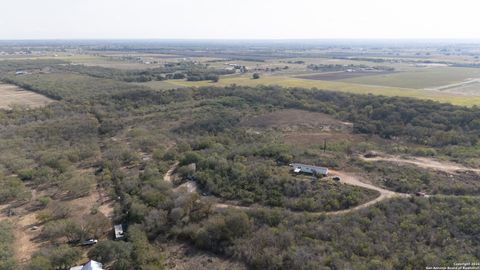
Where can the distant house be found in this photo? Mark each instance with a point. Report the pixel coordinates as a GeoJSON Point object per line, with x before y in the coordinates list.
{"type": "Point", "coordinates": [309, 169]}
{"type": "Point", "coordinates": [91, 265]}
{"type": "Point", "coordinates": [119, 234]}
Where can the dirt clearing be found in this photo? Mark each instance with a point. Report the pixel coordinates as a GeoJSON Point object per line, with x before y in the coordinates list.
{"type": "Point", "coordinates": [27, 227]}
{"type": "Point", "coordinates": [292, 120]}
{"type": "Point", "coordinates": [426, 163]}
{"type": "Point", "coordinates": [14, 95]}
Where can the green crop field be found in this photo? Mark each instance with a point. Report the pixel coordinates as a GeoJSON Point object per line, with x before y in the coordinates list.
{"type": "Point", "coordinates": [453, 98]}
{"type": "Point", "coordinates": [420, 78]}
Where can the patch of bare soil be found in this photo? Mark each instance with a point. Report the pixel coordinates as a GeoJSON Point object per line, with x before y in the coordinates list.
{"type": "Point", "coordinates": [293, 120]}
{"type": "Point", "coordinates": [14, 95]}
{"type": "Point", "coordinates": [189, 187]}
{"type": "Point", "coordinates": [26, 237]}
{"type": "Point", "coordinates": [83, 205]}
{"type": "Point", "coordinates": [314, 138]}
{"type": "Point", "coordinates": [426, 163]}
{"type": "Point", "coordinates": [27, 229]}
{"type": "Point", "coordinates": [168, 177]}
{"type": "Point", "coordinates": [186, 257]}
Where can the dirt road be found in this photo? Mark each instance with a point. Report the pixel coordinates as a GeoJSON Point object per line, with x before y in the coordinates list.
{"type": "Point", "coordinates": [353, 180]}
{"type": "Point", "coordinates": [189, 186]}
{"type": "Point", "coordinates": [347, 178]}
{"type": "Point", "coordinates": [168, 175]}
{"type": "Point", "coordinates": [426, 163]}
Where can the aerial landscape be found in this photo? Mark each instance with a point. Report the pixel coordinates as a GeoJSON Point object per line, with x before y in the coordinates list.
{"type": "Point", "coordinates": [222, 150]}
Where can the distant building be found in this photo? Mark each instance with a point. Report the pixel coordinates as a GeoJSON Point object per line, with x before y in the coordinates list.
{"type": "Point", "coordinates": [119, 234]}
{"type": "Point", "coordinates": [309, 169]}
{"type": "Point", "coordinates": [91, 265]}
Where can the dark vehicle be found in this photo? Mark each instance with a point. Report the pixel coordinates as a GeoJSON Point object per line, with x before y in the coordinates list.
{"type": "Point", "coordinates": [336, 178]}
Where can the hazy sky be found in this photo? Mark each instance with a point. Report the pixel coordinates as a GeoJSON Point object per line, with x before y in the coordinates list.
{"type": "Point", "coordinates": [239, 19]}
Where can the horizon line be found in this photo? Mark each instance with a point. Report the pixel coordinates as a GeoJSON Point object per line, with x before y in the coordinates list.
{"type": "Point", "coordinates": [248, 39]}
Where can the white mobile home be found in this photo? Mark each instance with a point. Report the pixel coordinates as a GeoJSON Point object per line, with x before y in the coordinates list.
{"type": "Point", "coordinates": [309, 169]}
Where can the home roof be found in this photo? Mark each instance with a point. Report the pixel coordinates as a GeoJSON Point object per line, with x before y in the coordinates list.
{"type": "Point", "coordinates": [92, 265]}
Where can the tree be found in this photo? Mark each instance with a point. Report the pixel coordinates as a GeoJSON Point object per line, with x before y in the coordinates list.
{"type": "Point", "coordinates": [39, 262]}
{"type": "Point", "coordinates": [78, 185]}
{"type": "Point", "coordinates": [63, 256]}
{"type": "Point", "coordinates": [96, 225]}
{"type": "Point", "coordinates": [156, 221]}
{"type": "Point", "coordinates": [143, 254]}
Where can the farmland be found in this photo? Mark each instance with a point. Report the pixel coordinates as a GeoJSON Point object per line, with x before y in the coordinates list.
{"type": "Point", "coordinates": [420, 78]}
{"type": "Point", "coordinates": [341, 75]}
{"type": "Point", "coordinates": [426, 73]}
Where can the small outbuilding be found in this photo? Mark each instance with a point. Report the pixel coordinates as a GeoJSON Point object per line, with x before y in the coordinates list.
{"type": "Point", "coordinates": [119, 233]}
{"type": "Point", "coordinates": [309, 169]}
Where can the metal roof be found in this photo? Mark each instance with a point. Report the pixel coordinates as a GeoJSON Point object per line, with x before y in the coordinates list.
{"type": "Point", "coordinates": [304, 167]}
{"type": "Point", "coordinates": [92, 265]}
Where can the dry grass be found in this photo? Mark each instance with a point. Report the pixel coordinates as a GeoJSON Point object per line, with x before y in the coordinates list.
{"type": "Point", "coordinates": [13, 95]}
{"type": "Point", "coordinates": [291, 120]}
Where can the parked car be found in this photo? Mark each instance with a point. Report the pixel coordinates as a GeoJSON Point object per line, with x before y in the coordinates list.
{"type": "Point", "coordinates": [336, 178]}
{"type": "Point", "coordinates": [89, 242]}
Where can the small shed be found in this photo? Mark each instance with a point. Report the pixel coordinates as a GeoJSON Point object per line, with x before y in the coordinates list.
{"type": "Point", "coordinates": [309, 169]}
{"type": "Point", "coordinates": [119, 233]}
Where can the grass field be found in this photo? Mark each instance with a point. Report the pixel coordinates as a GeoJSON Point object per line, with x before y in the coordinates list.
{"type": "Point", "coordinates": [453, 98]}
{"type": "Point", "coordinates": [341, 75]}
{"type": "Point", "coordinates": [419, 78]}
{"type": "Point", "coordinates": [13, 95]}
{"type": "Point", "coordinates": [470, 87]}
{"type": "Point", "coordinates": [107, 62]}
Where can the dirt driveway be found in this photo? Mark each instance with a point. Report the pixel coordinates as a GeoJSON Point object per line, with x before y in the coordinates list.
{"type": "Point", "coordinates": [346, 178]}
{"type": "Point", "coordinates": [354, 180]}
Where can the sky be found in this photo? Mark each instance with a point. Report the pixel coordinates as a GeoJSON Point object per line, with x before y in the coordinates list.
{"type": "Point", "coordinates": [239, 19]}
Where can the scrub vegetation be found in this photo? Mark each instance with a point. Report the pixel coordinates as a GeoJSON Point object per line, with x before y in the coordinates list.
{"type": "Point", "coordinates": [208, 167]}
